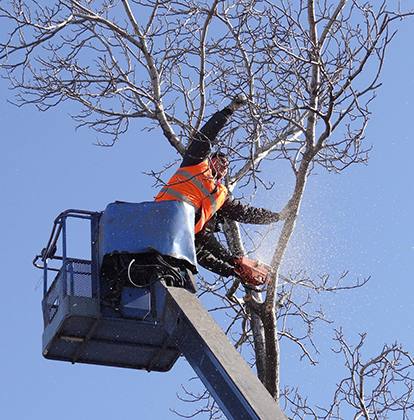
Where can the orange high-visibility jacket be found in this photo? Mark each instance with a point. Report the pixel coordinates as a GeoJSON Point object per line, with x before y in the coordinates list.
{"type": "Point", "coordinates": [197, 186]}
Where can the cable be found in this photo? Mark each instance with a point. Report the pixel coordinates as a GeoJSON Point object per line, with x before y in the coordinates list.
{"type": "Point", "coordinates": [165, 270]}
{"type": "Point", "coordinates": [130, 278]}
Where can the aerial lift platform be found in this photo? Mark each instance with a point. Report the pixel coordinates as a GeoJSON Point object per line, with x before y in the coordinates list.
{"type": "Point", "coordinates": [145, 254]}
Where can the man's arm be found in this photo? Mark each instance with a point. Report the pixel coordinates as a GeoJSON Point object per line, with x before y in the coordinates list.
{"type": "Point", "coordinates": [200, 145]}
{"type": "Point", "coordinates": [235, 210]}
{"type": "Point", "coordinates": [213, 256]}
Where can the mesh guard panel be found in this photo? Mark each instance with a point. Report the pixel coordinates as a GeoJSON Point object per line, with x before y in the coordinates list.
{"type": "Point", "coordinates": [78, 278]}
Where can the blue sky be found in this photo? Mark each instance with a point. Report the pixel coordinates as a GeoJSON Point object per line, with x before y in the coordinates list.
{"type": "Point", "coordinates": [360, 220]}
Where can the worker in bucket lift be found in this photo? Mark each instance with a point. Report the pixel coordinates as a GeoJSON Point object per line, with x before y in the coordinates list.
{"type": "Point", "coordinates": [198, 181]}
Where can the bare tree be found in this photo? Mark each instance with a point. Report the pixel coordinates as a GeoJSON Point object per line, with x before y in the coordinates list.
{"type": "Point", "coordinates": [310, 69]}
{"type": "Point", "coordinates": [374, 388]}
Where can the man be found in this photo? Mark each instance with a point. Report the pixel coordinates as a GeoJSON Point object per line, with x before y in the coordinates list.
{"type": "Point", "coordinates": [198, 182]}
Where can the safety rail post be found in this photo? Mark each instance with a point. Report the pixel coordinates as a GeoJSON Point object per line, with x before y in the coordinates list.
{"type": "Point", "coordinates": [45, 286]}
{"type": "Point", "coordinates": [94, 256]}
{"type": "Point", "coordinates": [64, 254]}
{"type": "Point", "coordinates": [70, 270]}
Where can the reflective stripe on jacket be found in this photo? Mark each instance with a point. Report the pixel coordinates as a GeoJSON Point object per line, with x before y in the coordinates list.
{"type": "Point", "coordinates": [197, 186]}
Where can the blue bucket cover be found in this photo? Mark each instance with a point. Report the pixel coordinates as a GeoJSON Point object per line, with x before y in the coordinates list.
{"type": "Point", "coordinates": [137, 228]}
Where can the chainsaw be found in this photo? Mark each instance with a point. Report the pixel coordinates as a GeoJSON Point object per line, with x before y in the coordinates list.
{"type": "Point", "coordinates": [252, 272]}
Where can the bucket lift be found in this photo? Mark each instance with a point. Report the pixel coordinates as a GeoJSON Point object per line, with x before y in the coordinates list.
{"type": "Point", "coordinates": [143, 256]}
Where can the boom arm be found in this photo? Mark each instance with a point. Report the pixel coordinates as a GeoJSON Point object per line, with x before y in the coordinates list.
{"type": "Point", "coordinates": [223, 371]}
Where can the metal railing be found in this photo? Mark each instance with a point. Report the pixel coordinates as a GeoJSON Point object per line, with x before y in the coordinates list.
{"type": "Point", "coordinates": [72, 273]}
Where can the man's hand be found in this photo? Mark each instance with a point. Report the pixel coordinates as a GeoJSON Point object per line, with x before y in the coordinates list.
{"type": "Point", "coordinates": [252, 272]}
{"type": "Point", "coordinates": [237, 102]}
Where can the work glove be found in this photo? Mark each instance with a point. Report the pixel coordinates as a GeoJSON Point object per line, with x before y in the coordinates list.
{"type": "Point", "coordinates": [237, 102]}
{"type": "Point", "coordinates": [251, 272]}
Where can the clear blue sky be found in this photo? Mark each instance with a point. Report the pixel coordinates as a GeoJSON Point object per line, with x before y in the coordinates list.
{"type": "Point", "coordinates": [361, 221]}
